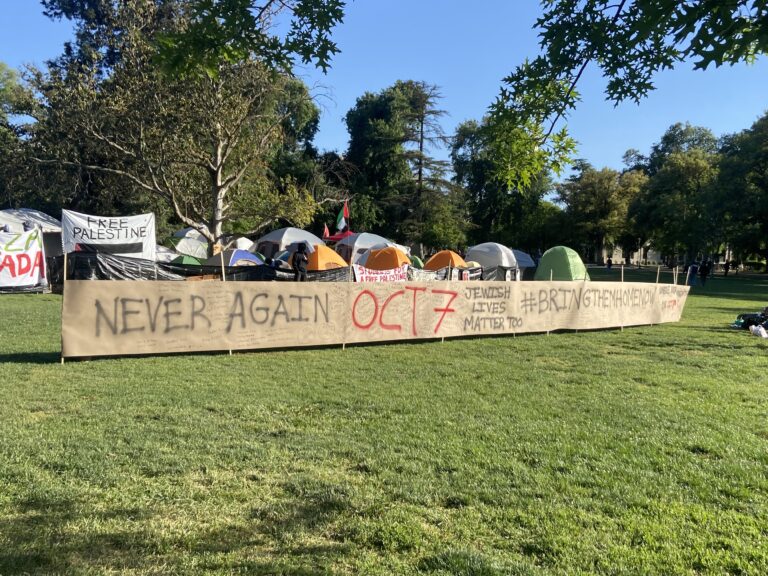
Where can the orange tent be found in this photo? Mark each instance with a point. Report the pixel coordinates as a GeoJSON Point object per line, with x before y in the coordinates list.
{"type": "Point", "coordinates": [386, 259]}
{"type": "Point", "coordinates": [324, 258]}
{"type": "Point", "coordinates": [445, 258]}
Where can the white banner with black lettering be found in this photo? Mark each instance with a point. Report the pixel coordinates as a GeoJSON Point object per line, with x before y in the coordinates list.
{"type": "Point", "coordinates": [132, 236]}
{"type": "Point", "coordinates": [22, 259]}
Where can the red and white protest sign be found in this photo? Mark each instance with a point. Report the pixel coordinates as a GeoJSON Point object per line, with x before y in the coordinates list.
{"type": "Point", "coordinates": [22, 259]}
{"type": "Point", "coordinates": [363, 274]}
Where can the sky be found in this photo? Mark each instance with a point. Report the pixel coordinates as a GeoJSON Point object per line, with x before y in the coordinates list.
{"type": "Point", "coordinates": [466, 49]}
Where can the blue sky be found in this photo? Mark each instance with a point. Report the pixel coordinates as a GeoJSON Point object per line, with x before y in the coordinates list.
{"type": "Point", "coordinates": [466, 49]}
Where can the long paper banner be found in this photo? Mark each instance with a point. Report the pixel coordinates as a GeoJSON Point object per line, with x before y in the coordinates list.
{"type": "Point", "coordinates": [132, 236]}
{"type": "Point", "coordinates": [22, 259]}
{"type": "Point", "coordinates": [103, 318]}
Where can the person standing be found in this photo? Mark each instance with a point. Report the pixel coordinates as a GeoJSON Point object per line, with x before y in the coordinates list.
{"type": "Point", "coordinates": [704, 272]}
{"type": "Point", "coordinates": [300, 263]}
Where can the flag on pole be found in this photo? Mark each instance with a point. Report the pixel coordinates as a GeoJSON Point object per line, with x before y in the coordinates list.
{"type": "Point", "coordinates": [341, 219]}
{"type": "Point", "coordinates": [326, 232]}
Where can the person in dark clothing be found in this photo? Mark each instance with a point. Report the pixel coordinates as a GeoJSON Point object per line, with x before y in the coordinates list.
{"type": "Point", "coordinates": [726, 267]}
{"type": "Point", "coordinates": [704, 272]}
{"type": "Point", "coordinates": [300, 263]}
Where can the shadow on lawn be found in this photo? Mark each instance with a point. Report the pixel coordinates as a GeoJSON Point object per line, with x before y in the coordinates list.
{"type": "Point", "coordinates": [31, 358]}
{"type": "Point", "coordinates": [46, 535]}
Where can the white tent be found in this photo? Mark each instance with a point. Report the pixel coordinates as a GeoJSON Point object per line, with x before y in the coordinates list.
{"type": "Point", "coordinates": [243, 243]}
{"type": "Point", "coordinates": [35, 218]}
{"type": "Point", "coordinates": [275, 242]}
{"type": "Point", "coordinates": [163, 254]}
{"type": "Point", "coordinates": [355, 245]}
{"type": "Point", "coordinates": [493, 255]}
{"type": "Point", "coordinates": [189, 233]}
{"type": "Point", "coordinates": [190, 247]}
{"type": "Point", "coordinates": [9, 223]}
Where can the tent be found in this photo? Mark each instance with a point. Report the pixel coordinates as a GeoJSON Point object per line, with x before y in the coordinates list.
{"type": "Point", "coordinates": [523, 260]}
{"type": "Point", "coordinates": [189, 233]}
{"type": "Point", "coordinates": [21, 219]}
{"type": "Point", "coordinates": [278, 240]}
{"type": "Point", "coordinates": [322, 258]}
{"type": "Point", "coordinates": [443, 259]}
{"type": "Point", "coordinates": [34, 218]}
{"type": "Point", "coordinates": [9, 223]}
{"type": "Point", "coordinates": [492, 254]}
{"type": "Point", "coordinates": [190, 247]}
{"type": "Point", "coordinates": [338, 236]}
{"type": "Point", "coordinates": [243, 243]}
{"type": "Point", "coordinates": [184, 259]}
{"type": "Point", "coordinates": [354, 245]}
{"type": "Point", "coordinates": [387, 258]}
{"type": "Point", "coordinates": [163, 254]}
{"type": "Point", "coordinates": [234, 258]}
{"type": "Point", "coordinates": [561, 263]}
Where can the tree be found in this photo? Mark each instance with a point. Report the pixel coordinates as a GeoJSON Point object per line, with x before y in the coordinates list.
{"type": "Point", "coordinates": [630, 40]}
{"type": "Point", "coordinates": [596, 204]}
{"type": "Point", "coordinates": [402, 188]}
{"type": "Point", "coordinates": [498, 212]}
{"type": "Point", "coordinates": [677, 208]}
{"type": "Point", "coordinates": [204, 146]}
{"type": "Point", "coordinates": [743, 189]}
{"type": "Point", "coordinates": [221, 32]}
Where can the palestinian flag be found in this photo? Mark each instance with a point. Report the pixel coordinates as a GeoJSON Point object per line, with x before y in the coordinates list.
{"type": "Point", "coordinates": [341, 219]}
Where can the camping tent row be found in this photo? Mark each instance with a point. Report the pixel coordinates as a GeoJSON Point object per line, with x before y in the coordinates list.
{"type": "Point", "coordinates": [365, 249]}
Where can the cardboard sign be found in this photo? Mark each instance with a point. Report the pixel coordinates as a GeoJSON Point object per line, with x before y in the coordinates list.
{"type": "Point", "coordinates": [131, 236]}
{"type": "Point", "coordinates": [124, 317]}
{"type": "Point", "coordinates": [22, 259]}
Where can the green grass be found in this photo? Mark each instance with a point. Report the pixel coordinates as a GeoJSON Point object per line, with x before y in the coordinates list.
{"type": "Point", "coordinates": [643, 451]}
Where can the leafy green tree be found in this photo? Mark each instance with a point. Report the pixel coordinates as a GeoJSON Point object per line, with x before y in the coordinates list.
{"type": "Point", "coordinates": [498, 212]}
{"type": "Point", "coordinates": [629, 40]}
{"type": "Point", "coordinates": [596, 205]}
{"type": "Point", "coordinates": [212, 150]}
{"type": "Point", "coordinates": [402, 189]}
{"type": "Point", "coordinates": [743, 189]}
{"type": "Point", "coordinates": [676, 209]}
{"type": "Point", "coordinates": [225, 32]}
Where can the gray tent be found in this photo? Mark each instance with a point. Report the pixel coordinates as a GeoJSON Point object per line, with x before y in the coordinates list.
{"type": "Point", "coordinates": [275, 242]}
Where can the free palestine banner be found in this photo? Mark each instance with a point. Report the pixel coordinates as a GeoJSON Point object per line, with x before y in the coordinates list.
{"type": "Point", "coordinates": [131, 236]}
{"type": "Point", "coordinates": [129, 317]}
{"type": "Point", "coordinates": [22, 259]}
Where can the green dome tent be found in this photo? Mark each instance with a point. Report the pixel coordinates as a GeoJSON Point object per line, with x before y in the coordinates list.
{"type": "Point", "coordinates": [561, 263]}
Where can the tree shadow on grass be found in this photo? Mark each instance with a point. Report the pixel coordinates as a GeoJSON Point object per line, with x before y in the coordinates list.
{"type": "Point", "coordinates": [46, 536]}
{"type": "Point", "coordinates": [31, 358]}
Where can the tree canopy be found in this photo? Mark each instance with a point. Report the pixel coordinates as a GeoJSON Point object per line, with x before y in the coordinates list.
{"type": "Point", "coordinates": [630, 41]}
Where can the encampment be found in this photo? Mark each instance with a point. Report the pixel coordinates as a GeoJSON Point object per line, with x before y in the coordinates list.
{"type": "Point", "coordinates": [275, 242]}
{"type": "Point", "coordinates": [561, 263]}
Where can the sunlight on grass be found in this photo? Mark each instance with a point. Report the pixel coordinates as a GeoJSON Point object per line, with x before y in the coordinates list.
{"type": "Point", "coordinates": [638, 451]}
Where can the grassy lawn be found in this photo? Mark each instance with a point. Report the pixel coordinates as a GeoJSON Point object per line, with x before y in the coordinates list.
{"type": "Point", "coordinates": [643, 451]}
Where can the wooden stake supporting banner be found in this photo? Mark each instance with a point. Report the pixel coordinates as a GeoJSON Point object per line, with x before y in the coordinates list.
{"type": "Point", "coordinates": [658, 273]}
{"type": "Point", "coordinates": [63, 289]}
{"type": "Point", "coordinates": [687, 276]}
{"type": "Point", "coordinates": [223, 276]}
{"type": "Point", "coordinates": [622, 272]}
